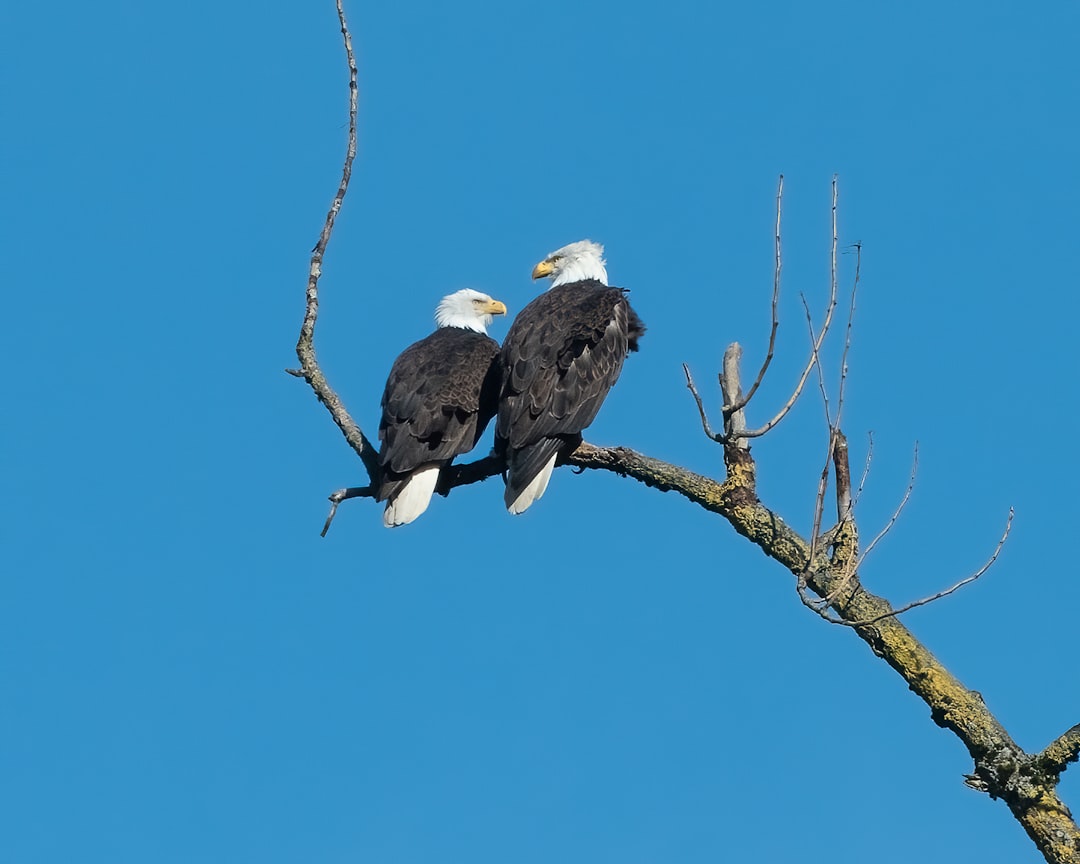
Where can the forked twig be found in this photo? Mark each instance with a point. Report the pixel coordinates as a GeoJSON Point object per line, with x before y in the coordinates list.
{"type": "Point", "coordinates": [817, 362]}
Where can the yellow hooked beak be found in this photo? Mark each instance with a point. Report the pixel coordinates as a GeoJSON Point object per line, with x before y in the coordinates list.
{"type": "Point", "coordinates": [495, 308]}
{"type": "Point", "coordinates": [544, 268]}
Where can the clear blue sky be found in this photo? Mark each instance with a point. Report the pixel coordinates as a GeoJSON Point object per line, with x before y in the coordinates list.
{"type": "Point", "coordinates": [190, 674]}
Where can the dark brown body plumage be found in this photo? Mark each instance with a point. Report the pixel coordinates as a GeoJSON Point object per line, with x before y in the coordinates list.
{"type": "Point", "coordinates": [439, 397]}
{"type": "Point", "coordinates": [563, 353]}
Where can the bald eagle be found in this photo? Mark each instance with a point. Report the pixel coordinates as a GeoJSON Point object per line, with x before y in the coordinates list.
{"type": "Point", "coordinates": [440, 395]}
{"type": "Point", "coordinates": [562, 355]}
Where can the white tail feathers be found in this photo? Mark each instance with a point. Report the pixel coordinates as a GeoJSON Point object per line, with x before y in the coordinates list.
{"type": "Point", "coordinates": [413, 498]}
{"type": "Point", "coordinates": [534, 491]}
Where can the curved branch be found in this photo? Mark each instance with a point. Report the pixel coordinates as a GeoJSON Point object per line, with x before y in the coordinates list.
{"type": "Point", "coordinates": [305, 346]}
{"type": "Point", "coordinates": [705, 425]}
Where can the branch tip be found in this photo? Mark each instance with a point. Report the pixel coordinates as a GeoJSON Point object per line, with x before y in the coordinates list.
{"type": "Point", "coordinates": [705, 425]}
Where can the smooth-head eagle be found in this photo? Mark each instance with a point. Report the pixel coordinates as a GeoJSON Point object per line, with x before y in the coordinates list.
{"type": "Point", "coordinates": [441, 393]}
{"type": "Point", "coordinates": [562, 355]}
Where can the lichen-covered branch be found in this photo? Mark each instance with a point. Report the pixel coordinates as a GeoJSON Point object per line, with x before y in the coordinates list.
{"type": "Point", "coordinates": [1001, 766]}
{"type": "Point", "coordinates": [1059, 753]}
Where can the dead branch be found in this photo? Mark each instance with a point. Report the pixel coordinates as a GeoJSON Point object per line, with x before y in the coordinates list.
{"type": "Point", "coordinates": [705, 425]}
{"type": "Point", "coordinates": [847, 335]}
{"type": "Point", "coordinates": [344, 495]}
{"type": "Point", "coordinates": [305, 346]}
{"type": "Point", "coordinates": [731, 407]}
{"type": "Point", "coordinates": [843, 478]}
{"type": "Point", "coordinates": [819, 512]}
{"type": "Point", "coordinates": [731, 391]}
{"type": "Point", "coordinates": [852, 566]}
{"type": "Point", "coordinates": [817, 362]}
{"type": "Point", "coordinates": [1060, 752]}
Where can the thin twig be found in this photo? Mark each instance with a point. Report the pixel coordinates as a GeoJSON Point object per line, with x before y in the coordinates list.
{"type": "Point", "coordinates": [974, 576]}
{"type": "Point", "coordinates": [817, 362]}
{"type": "Point", "coordinates": [344, 495]}
{"type": "Point", "coordinates": [899, 508]}
{"type": "Point", "coordinates": [847, 335]}
{"type": "Point", "coordinates": [305, 346]}
{"type": "Point", "coordinates": [705, 425]}
{"type": "Point", "coordinates": [814, 353]}
{"type": "Point", "coordinates": [834, 287]}
{"type": "Point", "coordinates": [815, 605]}
{"type": "Point", "coordinates": [866, 469]}
{"type": "Point", "coordinates": [745, 400]}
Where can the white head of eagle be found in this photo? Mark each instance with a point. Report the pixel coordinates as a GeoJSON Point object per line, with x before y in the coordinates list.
{"type": "Point", "coordinates": [440, 394]}
{"type": "Point", "coordinates": [468, 309]}
{"type": "Point", "coordinates": [575, 262]}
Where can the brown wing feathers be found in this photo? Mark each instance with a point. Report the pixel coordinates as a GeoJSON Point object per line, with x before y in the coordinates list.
{"type": "Point", "coordinates": [563, 353]}
{"type": "Point", "coordinates": [439, 397]}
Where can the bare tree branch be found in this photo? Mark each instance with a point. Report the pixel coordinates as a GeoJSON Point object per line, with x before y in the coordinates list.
{"type": "Point", "coordinates": [803, 578]}
{"type": "Point", "coordinates": [973, 577]}
{"type": "Point", "coordinates": [731, 390]}
{"type": "Point", "coordinates": [344, 495]}
{"type": "Point", "coordinates": [845, 539]}
{"type": "Point", "coordinates": [705, 425]}
{"type": "Point", "coordinates": [843, 478]}
{"type": "Point", "coordinates": [816, 357]}
{"type": "Point", "coordinates": [866, 469]}
{"type": "Point", "coordinates": [899, 508]}
{"type": "Point", "coordinates": [847, 335]}
{"type": "Point", "coordinates": [1060, 752]}
{"type": "Point", "coordinates": [815, 351]}
{"type": "Point", "coordinates": [305, 346]}
{"type": "Point", "coordinates": [732, 407]}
